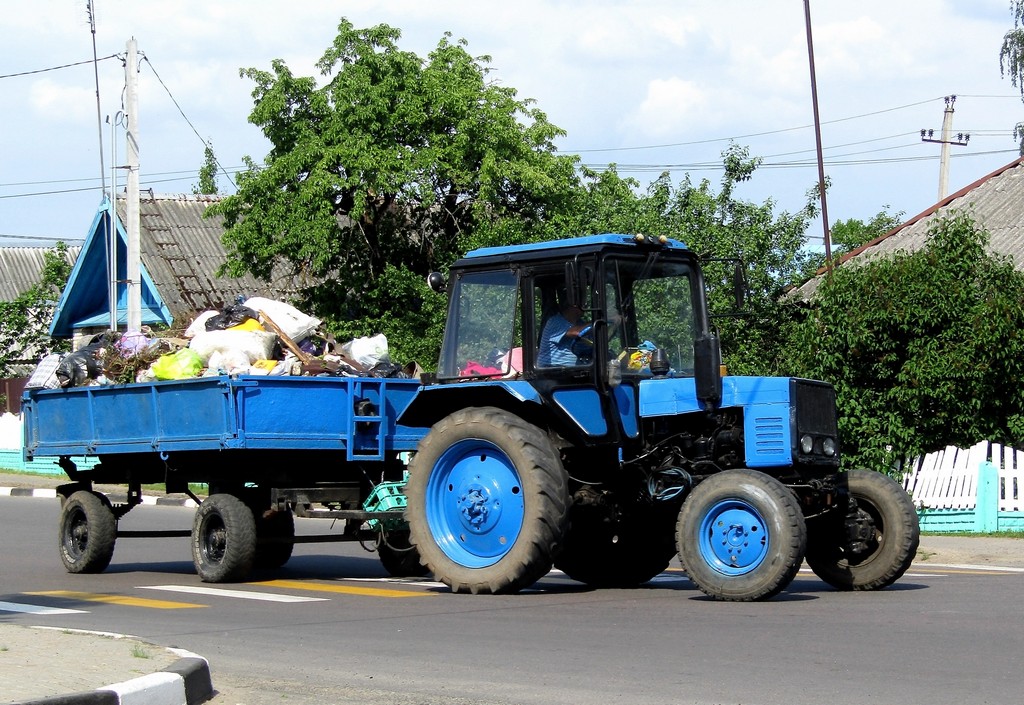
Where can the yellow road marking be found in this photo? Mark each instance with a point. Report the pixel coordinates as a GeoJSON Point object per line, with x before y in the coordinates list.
{"type": "Point", "coordinates": [118, 600]}
{"type": "Point", "coordinates": [343, 589]}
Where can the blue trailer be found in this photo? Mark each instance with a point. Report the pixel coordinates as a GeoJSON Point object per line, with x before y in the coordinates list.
{"type": "Point", "coordinates": [579, 417]}
{"type": "Point", "coordinates": [268, 448]}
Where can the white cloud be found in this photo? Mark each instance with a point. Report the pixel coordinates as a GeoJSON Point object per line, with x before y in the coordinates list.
{"type": "Point", "coordinates": [53, 102]}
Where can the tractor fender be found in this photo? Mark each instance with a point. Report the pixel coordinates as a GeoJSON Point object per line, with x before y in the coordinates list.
{"type": "Point", "coordinates": [435, 402]}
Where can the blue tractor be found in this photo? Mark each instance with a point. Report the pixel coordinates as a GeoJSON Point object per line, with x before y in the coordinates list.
{"type": "Point", "coordinates": [580, 418]}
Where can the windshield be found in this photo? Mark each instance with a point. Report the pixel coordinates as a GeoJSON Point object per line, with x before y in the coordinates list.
{"type": "Point", "coordinates": [483, 310]}
{"type": "Point", "coordinates": [650, 305]}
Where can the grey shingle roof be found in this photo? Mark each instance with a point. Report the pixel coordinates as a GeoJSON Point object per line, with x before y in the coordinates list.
{"type": "Point", "coordinates": [995, 201]}
{"type": "Point", "coordinates": [182, 250]}
{"type": "Point", "coordinates": [21, 267]}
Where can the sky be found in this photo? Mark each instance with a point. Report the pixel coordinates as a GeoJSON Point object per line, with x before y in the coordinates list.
{"type": "Point", "coordinates": [649, 85]}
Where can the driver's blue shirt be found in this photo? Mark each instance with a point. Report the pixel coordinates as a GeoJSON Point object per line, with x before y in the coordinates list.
{"type": "Point", "coordinates": [556, 348]}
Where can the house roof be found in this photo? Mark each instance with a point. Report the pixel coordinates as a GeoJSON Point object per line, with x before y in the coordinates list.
{"type": "Point", "coordinates": [995, 201]}
{"type": "Point", "coordinates": [180, 252]}
{"type": "Point", "coordinates": [21, 268]}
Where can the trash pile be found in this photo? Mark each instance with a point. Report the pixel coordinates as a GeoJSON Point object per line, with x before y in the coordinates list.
{"type": "Point", "coordinates": [257, 336]}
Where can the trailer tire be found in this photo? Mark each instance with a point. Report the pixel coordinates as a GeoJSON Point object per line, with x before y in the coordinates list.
{"type": "Point", "coordinates": [88, 531]}
{"type": "Point", "coordinates": [741, 536]}
{"type": "Point", "coordinates": [487, 501]}
{"type": "Point", "coordinates": [275, 535]}
{"type": "Point", "coordinates": [890, 537]}
{"type": "Point", "coordinates": [398, 556]}
{"type": "Point", "coordinates": [223, 539]}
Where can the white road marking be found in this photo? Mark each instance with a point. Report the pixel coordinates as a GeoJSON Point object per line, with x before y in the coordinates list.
{"type": "Point", "coordinates": [36, 609]}
{"type": "Point", "coordinates": [239, 594]}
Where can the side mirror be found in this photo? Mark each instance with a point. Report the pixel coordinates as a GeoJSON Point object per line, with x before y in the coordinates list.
{"type": "Point", "coordinates": [739, 286]}
{"type": "Point", "coordinates": [707, 364]}
{"type": "Point", "coordinates": [436, 282]}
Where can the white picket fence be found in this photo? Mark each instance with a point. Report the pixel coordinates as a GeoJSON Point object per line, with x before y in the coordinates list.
{"type": "Point", "coordinates": [948, 479]}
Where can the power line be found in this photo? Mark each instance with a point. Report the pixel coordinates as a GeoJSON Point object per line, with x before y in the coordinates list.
{"type": "Point", "coordinates": [57, 68]}
{"type": "Point", "coordinates": [174, 100]}
{"type": "Point", "coordinates": [757, 134]}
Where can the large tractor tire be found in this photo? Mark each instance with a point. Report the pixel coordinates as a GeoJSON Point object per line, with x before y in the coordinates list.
{"type": "Point", "coordinates": [487, 501]}
{"type": "Point", "coordinates": [88, 530]}
{"type": "Point", "coordinates": [609, 546]}
{"type": "Point", "coordinates": [741, 536]}
{"type": "Point", "coordinates": [871, 549]}
{"type": "Point", "coordinates": [223, 539]}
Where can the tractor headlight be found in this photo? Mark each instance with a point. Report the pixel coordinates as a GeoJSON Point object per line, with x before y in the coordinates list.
{"type": "Point", "coordinates": [829, 447]}
{"type": "Point", "coordinates": [806, 444]}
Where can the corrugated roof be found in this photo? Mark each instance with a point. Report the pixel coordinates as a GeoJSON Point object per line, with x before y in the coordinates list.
{"type": "Point", "coordinates": [995, 201]}
{"type": "Point", "coordinates": [21, 268]}
{"type": "Point", "coordinates": [181, 250]}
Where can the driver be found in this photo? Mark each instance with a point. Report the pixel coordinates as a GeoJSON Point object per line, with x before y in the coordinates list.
{"type": "Point", "coordinates": [563, 342]}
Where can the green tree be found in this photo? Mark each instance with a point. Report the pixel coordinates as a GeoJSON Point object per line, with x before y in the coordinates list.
{"type": "Point", "coordinates": [207, 173]}
{"type": "Point", "coordinates": [391, 169]}
{"type": "Point", "coordinates": [25, 321]}
{"type": "Point", "coordinates": [1011, 59]}
{"type": "Point", "coordinates": [848, 235]}
{"type": "Point", "coordinates": [925, 349]}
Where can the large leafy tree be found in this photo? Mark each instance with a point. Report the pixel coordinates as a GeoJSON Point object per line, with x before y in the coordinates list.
{"type": "Point", "coordinates": [391, 169]}
{"type": "Point", "coordinates": [1011, 59]}
{"type": "Point", "coordinates": [25, 321]}
{"type": "Point", "coordinates": [925, 349]}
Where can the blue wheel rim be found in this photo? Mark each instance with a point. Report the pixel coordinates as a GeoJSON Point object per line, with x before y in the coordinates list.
{"type": "Point", "coordinates": [474, 503]}
{"type": "Point", "coordinates": [733, 538]}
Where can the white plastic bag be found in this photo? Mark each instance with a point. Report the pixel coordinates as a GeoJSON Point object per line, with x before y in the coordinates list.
{"type": "Point", "coordinates": [292, 322]}
{"type": "Point", "coordinates": [252, 344]}
{"type": "Point", "coordinates": [367, 351]}
{"type": "Point", "coordinates": [199, 324]}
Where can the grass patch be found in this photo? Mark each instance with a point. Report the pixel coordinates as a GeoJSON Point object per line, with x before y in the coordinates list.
{"type": "Point", "coordinates": [139, 651]}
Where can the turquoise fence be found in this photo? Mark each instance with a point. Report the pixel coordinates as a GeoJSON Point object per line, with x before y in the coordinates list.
{"type": "Point", "coordinates": [978, 489]}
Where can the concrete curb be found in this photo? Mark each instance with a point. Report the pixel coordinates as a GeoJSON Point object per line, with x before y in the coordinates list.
{"type": "Point", "coordinates": [185, 682]}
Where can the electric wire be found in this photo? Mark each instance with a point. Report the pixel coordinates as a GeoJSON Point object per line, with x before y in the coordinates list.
{"type": "Point", "coordinates": [57, 68]}
{"type": "Point", "coordinates": [183, 115]}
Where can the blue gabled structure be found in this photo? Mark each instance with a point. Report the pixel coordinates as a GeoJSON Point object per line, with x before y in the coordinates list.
{"type": "Point", "coordinates": [84, 303]}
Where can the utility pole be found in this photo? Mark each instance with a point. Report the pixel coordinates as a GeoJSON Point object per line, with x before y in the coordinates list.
{"type": "Point", "coordinates": [945, 140]}
{"type": "Point", "coordinates": [133, 282]}
{"type": "Point", "coordinates": [826, 235]}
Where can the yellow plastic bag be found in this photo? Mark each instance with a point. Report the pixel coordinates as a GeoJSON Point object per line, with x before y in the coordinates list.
{"type": "Point", "coordinates": [178, 365]}
{"type": "Point", "coordinates": [248, 324]}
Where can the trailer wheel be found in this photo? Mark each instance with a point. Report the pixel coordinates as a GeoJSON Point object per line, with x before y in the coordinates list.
{"type": "Point", "coordinates": [602, 550]}
{"type": "Point", "coordinates": [275, 535]}
{"type": "Point", "coordinates": [223, 539]}
{"type": "Point", "coordinates": [741, 536]}
{"type": "Point", "coordinates": [398, 556]}
{"type": "Point", "coordinates": [871, 549]}
{"type": "Point", "coordinates": [487, 501]}
{"type": "Point", "coordinates": [88, 530]}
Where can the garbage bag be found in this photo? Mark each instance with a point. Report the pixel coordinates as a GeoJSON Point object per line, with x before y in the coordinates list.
{"type": "Point", "coordinates": [178, 365]}
{"type": "Point", "coordinates": [254, 344]}
{"type": "Point", "coordinates": [367, 351]}
{"type": "Point", "coordinates": [132, 343]}
{"type": "Point", "coordinates": [292, 322]}
{"type": "Point", "coordinates": [233, 315]}
{"type": "Point", "coordinates": [79, 367]}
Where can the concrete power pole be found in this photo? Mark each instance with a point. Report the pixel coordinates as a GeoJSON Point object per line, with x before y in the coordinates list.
{"type": "Point", "coordinates": [134, 279]}
{"type": "Point", "coordinates": [945, 140]}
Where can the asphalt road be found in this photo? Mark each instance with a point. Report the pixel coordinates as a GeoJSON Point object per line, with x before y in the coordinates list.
{"type": "Point", "coordinates": [332, 629]}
